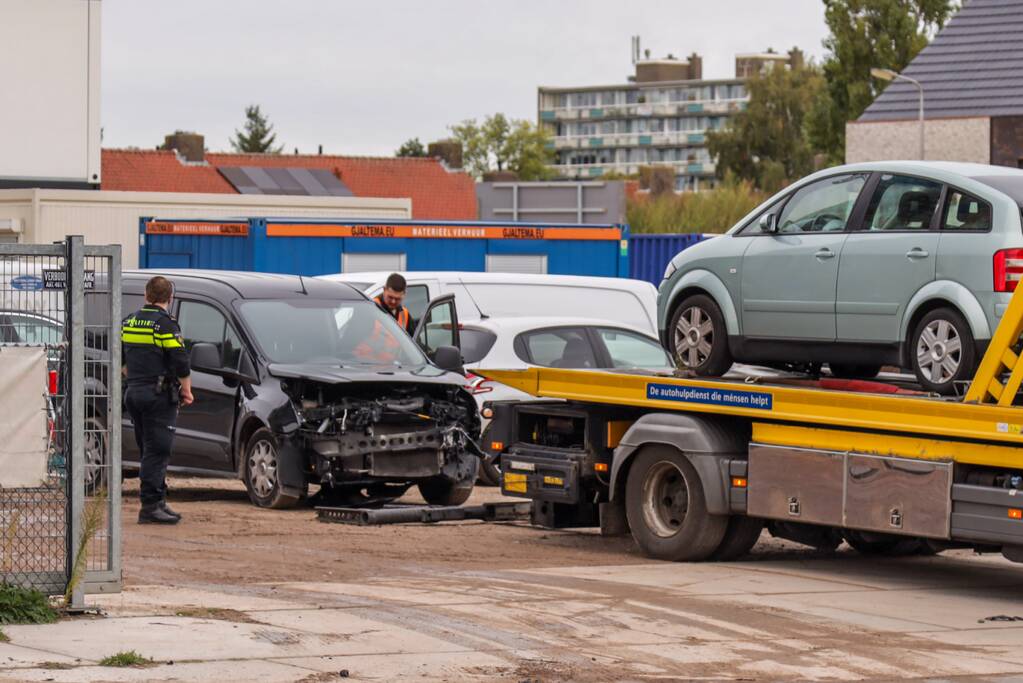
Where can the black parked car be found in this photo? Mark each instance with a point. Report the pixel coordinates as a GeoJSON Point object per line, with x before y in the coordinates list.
{"type": "Point", "coordinates": [300, 381]}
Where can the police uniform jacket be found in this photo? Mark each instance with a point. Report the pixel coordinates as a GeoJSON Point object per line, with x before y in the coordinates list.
{"type": "Point", "coordinates": [152, 346]}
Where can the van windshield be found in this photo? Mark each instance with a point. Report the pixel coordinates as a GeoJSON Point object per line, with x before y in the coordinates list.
{"type": "Point", "coordinates": [328, 333]}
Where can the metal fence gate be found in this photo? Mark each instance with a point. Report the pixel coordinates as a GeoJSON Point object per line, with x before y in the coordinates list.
{"type": "Point", "coordinates": [64, 535]}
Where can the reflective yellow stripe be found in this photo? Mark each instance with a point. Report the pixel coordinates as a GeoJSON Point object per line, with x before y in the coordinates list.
{"type": "Point", "coordinates": [137, 339]}
{"type": "Point", "coordinates": [171, 343]}
{"type": "Point", "coordinates": [168, 335]}
{"type": "Point", "coordinates": [138, 330]}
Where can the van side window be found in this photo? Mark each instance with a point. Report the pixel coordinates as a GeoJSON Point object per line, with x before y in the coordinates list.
{"type": "Point", "coordinates": [902, 203]}
{"type": "Point", "coordinates": [965, 212]}
{"type": "Point", "coordinates": [203, 323]}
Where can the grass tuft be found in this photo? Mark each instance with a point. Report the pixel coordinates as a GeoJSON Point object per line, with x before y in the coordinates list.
{"type": "Point", "coordinates": [706, 211]}
{"type": "Point", "coordinates": [129, 658]}
{"type": "Point", "coordinates": [24, 606]}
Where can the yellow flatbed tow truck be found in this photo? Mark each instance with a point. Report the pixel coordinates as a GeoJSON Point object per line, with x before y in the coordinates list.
{"type": "Point", "coordinates": [695, 468]}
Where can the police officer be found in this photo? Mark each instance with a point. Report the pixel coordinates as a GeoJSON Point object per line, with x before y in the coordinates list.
{"type": "Point", "coordinates": [157, 378]}
{"type": "Point", "coordinates": [391, 299]}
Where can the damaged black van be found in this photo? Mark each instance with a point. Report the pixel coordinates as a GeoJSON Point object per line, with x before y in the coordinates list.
{"type": "Point", "coordinates": [301, 381]}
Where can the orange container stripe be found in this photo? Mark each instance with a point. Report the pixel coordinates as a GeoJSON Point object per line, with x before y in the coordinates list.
{"type": "Point", "coordinates": [479, 232]}
{"type": "Point", "coordinates": [197, 228]}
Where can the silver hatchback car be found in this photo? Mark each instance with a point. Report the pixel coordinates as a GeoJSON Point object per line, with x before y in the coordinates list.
{"type": "Point", "coordinates": [889, 263]}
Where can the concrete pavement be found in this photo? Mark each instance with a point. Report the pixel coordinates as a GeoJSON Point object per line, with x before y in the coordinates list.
{"type": "Point", "coordinates": [840, 618]}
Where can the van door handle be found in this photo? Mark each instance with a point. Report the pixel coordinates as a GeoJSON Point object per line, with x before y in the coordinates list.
{"type": "Point", "coordinates": [916, 252]}
{"type": "Point", "coordinates": [824, 254]}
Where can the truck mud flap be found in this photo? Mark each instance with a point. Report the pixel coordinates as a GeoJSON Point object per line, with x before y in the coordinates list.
{"type": "Point", "coordinates": [528, 473]}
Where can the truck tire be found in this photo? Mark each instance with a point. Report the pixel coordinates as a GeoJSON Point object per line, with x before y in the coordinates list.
{"type": "Point", "coordinates": [697, 337]}
{"type": "Point", "coordinates": [667, 510]}
{"type": "Point", "coordinates": [490, 474]}
{"type": "Point", "coordinates": [444, 491]}
{"type": "Point", "coordinates": [740, 537]}
{"type": "Point", "coordinates": [866, 543]}
{"type": "Point", "coordinates": [261, 473]}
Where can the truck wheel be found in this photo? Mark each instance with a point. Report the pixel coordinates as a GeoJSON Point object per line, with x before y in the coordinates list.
{"type": "Point", "coordinates": [444, 491]}
{"type": "Point", "coordinates": [849, 371]}
{"type": "Point", "coordinates": [941, 350]}
{"type": "Point", "coordinates": [866, 543]}
{"type": "Point", "coordinates": [667, 510]}
{"type": "Point", "coordinates": [261, 473]}
{"type": "Point", "coordinates": [698, 338]}
{"type": "Point", "coordinates": [740, 537]}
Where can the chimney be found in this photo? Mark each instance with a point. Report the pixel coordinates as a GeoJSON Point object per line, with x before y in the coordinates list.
{"type": "Point", "coordinates": [695, 67]}
{"type": "Point", "coordinates": [190, 146]}
{"type": "Point", "coordinates": [448, 151]}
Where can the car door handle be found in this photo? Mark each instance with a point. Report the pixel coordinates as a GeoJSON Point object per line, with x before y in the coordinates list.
{"type": "Point", "coordinates": [823, 254]}
{"type": "Point", "coordinates": [916, 253]}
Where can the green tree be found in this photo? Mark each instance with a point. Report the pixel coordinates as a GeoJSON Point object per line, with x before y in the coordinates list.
{"type": "Point", "coordinates": [767, 143]}
{"type": "Point", "coordinates": [866, 34]}
{"type": "Point", "coordinates": [502, 144]}
{"type": "Point", "coordinates": [258, 137]}
{"type": "Point", "coordinates": [411, 148]}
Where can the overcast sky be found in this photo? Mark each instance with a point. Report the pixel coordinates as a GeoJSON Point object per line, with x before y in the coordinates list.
{"type": "Point", "coordinates": [362, 77]}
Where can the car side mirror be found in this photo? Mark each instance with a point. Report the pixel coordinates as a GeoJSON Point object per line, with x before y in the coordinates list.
{"type": "Point", "coordinates": [769, 223]}
{"type": "Point", "coordinates": [449, 358]}
{"type": "Point", "coordinates": [206, 358]}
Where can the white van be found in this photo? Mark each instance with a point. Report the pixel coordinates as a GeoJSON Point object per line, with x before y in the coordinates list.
{"type": "Point", "coordinates": [508, 295]}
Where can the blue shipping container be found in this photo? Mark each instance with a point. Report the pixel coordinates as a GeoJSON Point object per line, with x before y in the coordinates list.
{"type": "Point", "coordinates": [320, 247]}
{"type": "Point", "coordinates": [650, 253]}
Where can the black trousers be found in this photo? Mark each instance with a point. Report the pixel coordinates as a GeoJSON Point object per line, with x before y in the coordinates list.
{"type": "Point", "coordinates": [154, 417]}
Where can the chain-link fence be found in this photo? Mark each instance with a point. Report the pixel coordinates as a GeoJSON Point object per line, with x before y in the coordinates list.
{"type": "Point", "coordinates": [64, 299]}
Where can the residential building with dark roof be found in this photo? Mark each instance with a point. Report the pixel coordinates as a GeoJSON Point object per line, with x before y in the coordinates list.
{"type": "Point", "coordinates": [972, 79]}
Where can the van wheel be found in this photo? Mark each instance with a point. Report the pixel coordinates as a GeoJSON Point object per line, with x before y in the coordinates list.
{"type": "Point", "coordinates": [848, 371]}
{"type": "Point", "coordinates": [697, 338]}
{"type": "Point", "coordinates": [262, 479]}
{"type": "Point", "coordinates": [445, 491]}
{"type": "Point", "coordinates": [97, 470]}
{"type": "Point", "coordinates": [667, 510]}
{"type": "Point", "coordinates": [740, 537]}
{"type": "Point", "coordinates": [942, 351]}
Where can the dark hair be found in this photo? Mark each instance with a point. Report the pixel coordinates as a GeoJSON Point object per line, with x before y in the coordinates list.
{"type": "Point", "coordinates": [159, 290]}
{"type": "Point", "coordinates": [395, 282]}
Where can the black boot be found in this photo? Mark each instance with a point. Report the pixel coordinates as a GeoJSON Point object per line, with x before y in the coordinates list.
{"type": "Point", "coordinates": [166, 508]}
{"type": "Point", "coordinates": [153, 513]}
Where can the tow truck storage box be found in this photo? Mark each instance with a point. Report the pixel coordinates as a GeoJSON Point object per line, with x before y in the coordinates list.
{"type": "Point", "coordinates": [320, 247]}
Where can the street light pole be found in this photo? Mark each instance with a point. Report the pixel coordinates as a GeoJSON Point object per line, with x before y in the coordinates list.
{"type": "Point", "coordinates": [889, 75]}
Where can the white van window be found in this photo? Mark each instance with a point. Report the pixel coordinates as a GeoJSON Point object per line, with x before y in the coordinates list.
{"type": "Point", "coordinates": [516, 300]}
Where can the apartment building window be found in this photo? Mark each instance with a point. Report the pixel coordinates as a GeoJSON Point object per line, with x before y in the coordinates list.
{"type": "Point", "coordinates": [607, 127]}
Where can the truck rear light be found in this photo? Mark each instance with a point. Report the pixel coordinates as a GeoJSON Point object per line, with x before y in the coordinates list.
{"type": "Point", "coordinates": [52, 382]}
{"type": "Point", "coordinates": [1015, 513]}
{"type": "Point", "coordinates": [1008, 269]}
{"type": "Point", "coordinates": [476, 384]}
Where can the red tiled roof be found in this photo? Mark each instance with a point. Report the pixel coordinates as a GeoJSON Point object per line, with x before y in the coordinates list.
{"type": "Point", "coordinates": [156, 171]}
{"type": "Point", "coordinates": [435, 192]}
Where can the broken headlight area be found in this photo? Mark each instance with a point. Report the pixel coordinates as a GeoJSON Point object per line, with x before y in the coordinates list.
{"type": "Point", "coordinates": [399, 432]}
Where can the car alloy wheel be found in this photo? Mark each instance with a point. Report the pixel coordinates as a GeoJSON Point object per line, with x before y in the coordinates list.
{"type": "Point", "coordinates": [263, 469]}
{"type": "Point", "coordinates": [939, 351]}
{"type": "Point", "coordinates": [665, 499]}
{"type": "Point", "coordinates": [694, 337]}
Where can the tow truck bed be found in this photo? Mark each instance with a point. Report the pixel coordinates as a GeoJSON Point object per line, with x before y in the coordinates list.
{"type": "Point", "coordinates": [689, 465]}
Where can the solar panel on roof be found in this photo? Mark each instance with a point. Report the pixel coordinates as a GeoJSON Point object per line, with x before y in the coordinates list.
{"type": "Point", "coordinates": [316, 182]}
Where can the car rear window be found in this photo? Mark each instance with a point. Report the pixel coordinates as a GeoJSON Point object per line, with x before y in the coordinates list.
{"type": "Point", "coordinates": [476, 343]}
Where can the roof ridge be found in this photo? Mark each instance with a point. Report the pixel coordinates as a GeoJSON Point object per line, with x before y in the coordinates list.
{"type": "Point", "coordinates": [326, 156]}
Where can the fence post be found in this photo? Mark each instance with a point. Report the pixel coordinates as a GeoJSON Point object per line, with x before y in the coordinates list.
{"type": "Point", "coordinates": [75, 264]}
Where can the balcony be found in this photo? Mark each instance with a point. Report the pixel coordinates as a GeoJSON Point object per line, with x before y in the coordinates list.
{"type": "Point", "coordinates": [577, 171]}
{"type": "Point", "coordinates": [696, 138]}
{"type": "Point", "coordinates": [643, 110]}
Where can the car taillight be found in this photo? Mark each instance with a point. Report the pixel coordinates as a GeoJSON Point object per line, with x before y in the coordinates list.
{"type": "Point", "coordinates": [1008, 269]}
{"type": "Point", "coordinates": [476, 385]}
{"type": "Point", "coordinates": [52, 385]}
